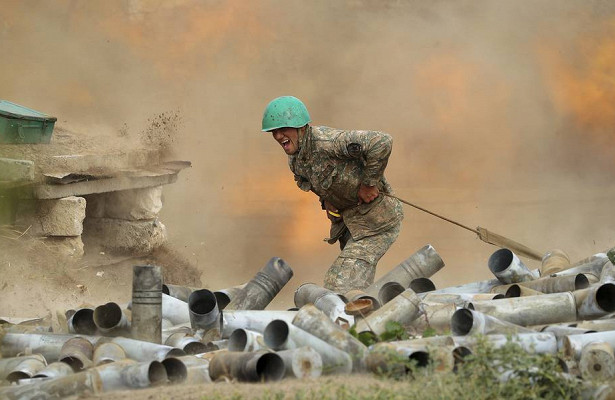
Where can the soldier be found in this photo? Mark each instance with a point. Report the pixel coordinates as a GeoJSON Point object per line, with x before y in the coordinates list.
{"type": "Point", "coordinates": [345, 169]}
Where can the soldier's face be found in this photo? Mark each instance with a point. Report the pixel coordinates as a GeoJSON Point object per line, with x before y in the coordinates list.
{"type": "Point", "coordinates": [288, 138]}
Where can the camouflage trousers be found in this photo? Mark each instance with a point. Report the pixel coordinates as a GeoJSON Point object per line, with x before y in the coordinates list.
{"type": "Point", "coordinates": [355, 267]}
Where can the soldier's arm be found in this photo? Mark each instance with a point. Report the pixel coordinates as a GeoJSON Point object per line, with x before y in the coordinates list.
{"type": "Point", "coordinates": [372, 147]}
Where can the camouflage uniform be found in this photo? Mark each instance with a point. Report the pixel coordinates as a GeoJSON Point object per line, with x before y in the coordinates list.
{"type": "Point", "coordinates": [333, 163]}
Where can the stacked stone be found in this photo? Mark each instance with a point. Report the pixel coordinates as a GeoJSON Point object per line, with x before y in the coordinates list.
{"type": "Point", "coordinates": [61, 221]}
{"type": "Point", "coordinates": [126, 221]}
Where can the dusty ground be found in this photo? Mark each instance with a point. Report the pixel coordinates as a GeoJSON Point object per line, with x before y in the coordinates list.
{"type": "Point", "coordinates": [37, 282]}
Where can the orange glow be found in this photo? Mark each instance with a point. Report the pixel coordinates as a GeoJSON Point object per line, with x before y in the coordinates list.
{"type": "Point", "coordinates": [448, 80]}
{"type": "Point", "coordinates": [464, 102]}
{"type": "Point", "coordinates": [273, 196]}
{"type": "Point", "coordinates": [186, 38]}
{"type": "Point", "coordinates": [582, 82]}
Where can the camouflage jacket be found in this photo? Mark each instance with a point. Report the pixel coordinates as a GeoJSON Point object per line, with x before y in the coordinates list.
{"type": "Point", "coordinates": [333, 163]}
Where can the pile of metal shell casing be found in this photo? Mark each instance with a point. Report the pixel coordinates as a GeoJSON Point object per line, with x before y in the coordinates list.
{"type": "Point", "coordinates": [170, 334]}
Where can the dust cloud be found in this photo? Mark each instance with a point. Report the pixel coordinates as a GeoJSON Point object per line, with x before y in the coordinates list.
{"type": "Point", "coordinates": [502, 115]}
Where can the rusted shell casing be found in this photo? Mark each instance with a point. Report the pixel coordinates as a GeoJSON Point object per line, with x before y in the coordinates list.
{"type": "Point", "coordinates": [302, 362]}
{"type": "Point", "coordinates": [508, 268]}
{"type": "Point", "coordinates": [8, 363]}
{"type": "Point", "coordinates": [593, 265]}
{"type": "Point", "coordinates": [225, 296]}
{"type": "Point", "coordinates": [531, 310]}
{"type": "Point", "coordinates": [176, 370]}
{"type": "Point", "coordinates": [422, 264]}
{"type": "Point", "coordinates": [119, 375]}
{"type": "Point", "coordinates": [312, 320]}
{"type": "Point", "coordinates": [57, 388]}
{"type": "Point", "coordinates": [608, 273]}
{"type": "Point", "coordinates": [143, 351]}
{"type": "Point", "coordinates": [597, 362]}
{"type": "Point", "coordinates": [55, 370]}
{"type": "Point", "coordinates": [470, 322]}
{"type": "Point", "coordinates": [280, 335]}
{"type": "Point", "coordinates": [186, 342]}
{"type": "Point", "coordinates": [265, 285]}
{"type": "Point", "coordinates": [516, 290]}
{"type": "Point", "coordinates": [179, 292]}
{"type": "Point", "coordinates": [197, 369]}
{"type": "Point", "coordinates": [48, 345]}
{"type": "Point", "coordinates": [558, 284]}
{"type": "Point", "coordinates": [247, 367]}
{"type": "Point", "coordinates": [538, 343]}
{"type": "Point", "coordinates": [147, 303]}
{"type": "Point", "coordinates": [325, 300]}
{"type": "Point", "coordinates": [246, 340]}
{"type": "Point", "coordinates": [204, 313]}
{"type": "Point", "coordinates": [128, 374]}
{"type": "Point", "coordinates": [573, 344]}
{"type": "Point", "coordinates": [422, 285]}
{"type": "Point", "coordinates": [215, 345]}
{"type": "Point", "coordinates": [402, 309]}
{"type": "Point", "coordinates": [254, 320]}
{"type": "Point", "coordinates": [309, 292]}
{"type": "Point", "coordinates": [433, 316]}
{"type": "Point", "coordinates": [473, 287]}
{"type": "Point", "coordinates": [175, 310]}
{"type": "Point", "coordinates": [554, 261]}
{"type": "Point", "coordinates": [563, 330]}
{"type": "Point", "coordinates": [15, 368]}
{"type": "Point", "coordinates": [105, 353]}
{"type": "Point", "coordinates": [459, 299]}
{"type": "Point", "coordinates": [447, 343]}
{"type": "Point", "coordinates": [589, 259]}
{"type": "Point", "coordinates": [110, 319]}
{"type": "Point", "coordinates": [26, 328]}
{"type": "Point", "coordinates": [26, 321]}
{"type": "Point", "coordinates": [77, 352]}
{"type": "Point", "coordinates": [358, 294]}
{"type": "Point", "coordinates": [598, 301]}
{"type": "Point", "coordinates": [598, 325]}
{"type": "Point", "coordinates": [389, 291]}
{"type": "Point", "coordinates": [82, 322]}
{"type": "Point", "coordinates": [392, 358]}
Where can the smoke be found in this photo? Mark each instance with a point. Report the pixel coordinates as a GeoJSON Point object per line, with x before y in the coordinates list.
{"type": "Point", "coordinates": [502, 114]}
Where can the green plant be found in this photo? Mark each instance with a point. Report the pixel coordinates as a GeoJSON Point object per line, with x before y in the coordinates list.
{"type": "Point", "coordinates": [393, 331]}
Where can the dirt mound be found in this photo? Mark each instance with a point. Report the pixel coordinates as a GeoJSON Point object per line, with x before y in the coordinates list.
{"type": "Point", "coordinates": [37, 280]}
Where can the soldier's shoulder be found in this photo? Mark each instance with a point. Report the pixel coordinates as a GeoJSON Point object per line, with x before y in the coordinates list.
{"type": "Point", "coordinates": [325, 133]}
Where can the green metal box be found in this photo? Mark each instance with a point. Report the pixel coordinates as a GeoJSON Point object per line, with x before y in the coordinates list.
{"type": "Point", "coordinates": [19, 124]}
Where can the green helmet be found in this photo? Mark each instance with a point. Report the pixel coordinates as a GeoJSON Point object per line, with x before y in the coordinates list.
{"type": "Point", "coordinates": [285, 112]}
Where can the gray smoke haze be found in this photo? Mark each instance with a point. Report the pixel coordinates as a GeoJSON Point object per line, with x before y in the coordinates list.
{"type": "Point", "coordinates": [502, 114]}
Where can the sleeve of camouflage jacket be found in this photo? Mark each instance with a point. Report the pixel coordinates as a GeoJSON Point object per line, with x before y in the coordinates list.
{"type": "Point", "coordinates": [373, 147]}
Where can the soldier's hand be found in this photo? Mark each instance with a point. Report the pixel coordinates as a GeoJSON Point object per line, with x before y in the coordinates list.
{"type": "Point", "coordinates": [367, 194]}
{"type": "Point", "coordinates": [332, 212]}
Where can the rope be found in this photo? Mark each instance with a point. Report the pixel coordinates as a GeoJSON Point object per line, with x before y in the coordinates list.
{"type": "Point", "coordinates": [434, 214]}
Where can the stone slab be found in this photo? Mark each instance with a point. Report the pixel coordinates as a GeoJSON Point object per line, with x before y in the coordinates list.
{"type": "Point", "coordinates": [16, 170]}
{"type": "Point", "coordinates": [124, 180]}
{"type": "Point", "coordinates": [86, 163]}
